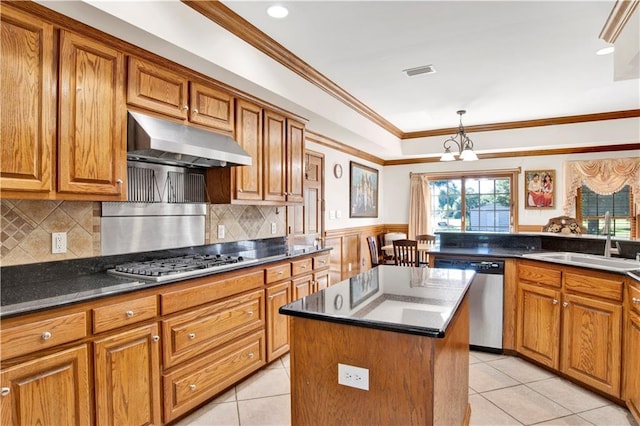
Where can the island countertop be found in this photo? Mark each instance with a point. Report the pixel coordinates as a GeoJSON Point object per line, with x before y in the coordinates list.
{"type": "Point", "coordinates": [409, 300]}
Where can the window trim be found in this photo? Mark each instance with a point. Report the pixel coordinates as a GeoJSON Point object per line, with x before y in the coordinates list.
{"type": "Point", "coordinates": [511, 174]}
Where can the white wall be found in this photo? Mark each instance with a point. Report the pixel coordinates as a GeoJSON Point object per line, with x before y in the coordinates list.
{"type": "Point", "coordinates": [394, 180]}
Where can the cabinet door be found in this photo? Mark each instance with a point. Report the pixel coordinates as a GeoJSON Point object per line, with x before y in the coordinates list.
{"type": "Point", "coordinates": [248, 183]}
{"type": "Point", "coordinates": [632, 366]}
{"type": "Point", "coordinates": [277, 324]}
{"type": "Point", "coordinates": [27, 103]}
{"type": "Point", "coordinates": [321, 279]}
{"type": "Point", "coordinates": [274, 157]}
{"type": "Point", "coordinates": [211, 107]}
{"type": "Point", "coordinates": [591, 342]}
{"type": "Point", "coordinates": [92, 136]}
{"type": "Point", "coordinates": [295, 161]}
{"type": "Point", "coordinates": [350, 255]}
{"type": "Point", "coordinates": [302, 287]}
{"type": "Point", "coordinates": [538, 335]}
{"type": "Point", "coordinates": [50, 390]}
{"type": "Point", "coordinates": [157, 89]}
{"type": "Point", "coordinates": [127, 376]}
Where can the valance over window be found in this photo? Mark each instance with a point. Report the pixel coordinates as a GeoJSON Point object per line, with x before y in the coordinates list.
{"type": "Point", "coordinates": [603, 177]}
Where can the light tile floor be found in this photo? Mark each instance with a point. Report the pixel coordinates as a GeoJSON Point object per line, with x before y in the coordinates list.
{"type": "Point", "coordinates": [503, 390]}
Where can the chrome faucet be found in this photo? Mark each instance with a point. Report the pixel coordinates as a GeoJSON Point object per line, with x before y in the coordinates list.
{"type": "Point", "coordinates": [605, 230]}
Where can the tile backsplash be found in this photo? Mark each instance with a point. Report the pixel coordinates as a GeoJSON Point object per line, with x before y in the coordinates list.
{"type": "Point", "coordinates": [26, 227]}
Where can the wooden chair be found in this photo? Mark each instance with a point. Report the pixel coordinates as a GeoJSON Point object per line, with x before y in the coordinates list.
{"type": "Point", "coordinates": [425, 239]}
{"type": "Point", "coordinates": [376, 257]}
{"type": "Point", "coordinates": [406, 252]}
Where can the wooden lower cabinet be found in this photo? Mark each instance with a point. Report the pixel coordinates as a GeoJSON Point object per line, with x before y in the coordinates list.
{"type": "Point", "coordinates": [49, 390]}
{"type": "Point", "coordinates": [303, 286]}
{"type": "Point", "coordinates": [631, 368]}
{"type": "Point", "coordinates": [321, 279]}
{"type": "Point", "coordinates": [538, 333]}
{"type": "Point", "coordinates": [196, 382]}
{"type": "Point", "coordinates": [571, 320]}
{"type": "Point", "coordinates": [127, 378]}
{"type": "Point", "coordinates": [277, 324]}
{"type": "Point", "coordinates": [592, 342]}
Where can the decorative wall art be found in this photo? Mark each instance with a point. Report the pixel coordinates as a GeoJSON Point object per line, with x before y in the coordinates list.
{"type": "Point", "coordinates": [539, 189]}
{"type": "Point", "coordinates": [363, 192]}
{"type": "Point", "coordinates": [363, 286]}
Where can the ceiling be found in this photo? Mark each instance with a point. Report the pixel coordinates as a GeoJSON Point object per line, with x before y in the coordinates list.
{"type": "Point", "coordinates": [502, 61]}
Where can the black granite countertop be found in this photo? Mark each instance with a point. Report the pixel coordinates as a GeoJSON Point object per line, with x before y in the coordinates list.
{"type": "Point", "coordinates": [34, 287]}
{"type": "Point", "coordinates": [418, 301]}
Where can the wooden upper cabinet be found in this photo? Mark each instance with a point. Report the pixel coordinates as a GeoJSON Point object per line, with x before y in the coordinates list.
{"type": "Point", "coordinates": [92, 122]}
{"type": "Point", "coordinates": [158, 89]}
{"type": "Point", "coordinates": [275, 183]}
{"type": "Point", "coordinates": [211, 107]}
{"type": "Point", "coordinates": [295, 161]}
{"type": "Point", "coordinates": [248, 179]}
{"type": "Point", "coordinates": [27, 104]}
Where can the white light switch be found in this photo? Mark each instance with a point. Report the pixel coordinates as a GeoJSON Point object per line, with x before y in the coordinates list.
{"type": "Point", "coordinates": [332, 214]}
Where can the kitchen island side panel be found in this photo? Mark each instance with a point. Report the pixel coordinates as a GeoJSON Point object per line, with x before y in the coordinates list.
{"type": "Point", "coordinates": [405, 384]}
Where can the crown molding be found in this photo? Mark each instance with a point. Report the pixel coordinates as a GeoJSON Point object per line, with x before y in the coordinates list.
{"type": "Point", "coordinates": [339, 146]}
{"type": "Point", "coordinates": [618, 18]}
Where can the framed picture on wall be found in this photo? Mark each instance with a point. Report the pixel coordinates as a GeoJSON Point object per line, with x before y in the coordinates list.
{"type": "Point", "coordinates": [363, 191]}
{"type": "Point", "coordinates": [539, 189]}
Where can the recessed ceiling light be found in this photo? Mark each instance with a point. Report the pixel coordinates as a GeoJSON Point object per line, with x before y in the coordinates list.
{"type": "Point", "coordinates": [277, 11]}
{"type": "Point", "coordinates": [605, 50]}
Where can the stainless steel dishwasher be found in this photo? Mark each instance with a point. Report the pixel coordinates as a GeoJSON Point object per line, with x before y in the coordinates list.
{"type": "Point", "coordinates": [486, 299]}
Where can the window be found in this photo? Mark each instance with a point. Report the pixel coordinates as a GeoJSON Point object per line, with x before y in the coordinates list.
{"type": "Point", "coordinates": [472, 203]}
{"type": "Point", "coordinates": [591, 208]}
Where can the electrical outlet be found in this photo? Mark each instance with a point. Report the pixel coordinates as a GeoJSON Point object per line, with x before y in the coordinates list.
{"type": "Point", "coordinates": [59, 242]}
{"type": "Point", "coordinates": [274, 228]}
{"type": "Point", "coordinates": [355, 377]}
{"type": "Point", "coordinates": [220, 232]}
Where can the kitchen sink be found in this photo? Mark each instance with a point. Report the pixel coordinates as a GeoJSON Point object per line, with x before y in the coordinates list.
{"type": "Point", "coordinates": [587, 260]}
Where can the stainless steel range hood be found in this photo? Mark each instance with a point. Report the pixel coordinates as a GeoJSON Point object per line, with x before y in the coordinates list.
{"type": "Point", "coordinates": [165, 142]}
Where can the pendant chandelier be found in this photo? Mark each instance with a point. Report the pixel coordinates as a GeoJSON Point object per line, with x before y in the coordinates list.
{"type": "Point", "coordinates": [462, 143]}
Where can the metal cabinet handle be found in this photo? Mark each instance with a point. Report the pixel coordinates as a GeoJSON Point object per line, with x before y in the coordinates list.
{"type": "Point", "coordinates": [270, 297]}
{"type": "Point", "coordinates": [322, 262]}
{"type": "Point", "coordinates": [565, 304]}
{"type": "Point", "coordinates": [5, 391]}
{"type": "Point", "coordinates": [555, 301]}
{"type": "Point", "coordinates": [191, 336]}
{"type": "Point", "coordinates": [280, 272]}
{"type": "Point", "coordinates": [192, 387]}
{"type": "Point", "coordinates": [156, 338]}
{"type": "Point", "coordinates": [250, 355]}
{"type": "Point", "coordinates": [303, 267]}
{"type": "Point", "coordinates": [119, 181]}
{"type": "Point", "coordinates": [129, 314]}
{"type": "Point", "coordinates": [46, 335]}
{"type": "Point", "coordinates": [185, 108]}
{"type": "Point", "coordinates": [195, 110]}
{"type": "Point", "coordinates": [635, 300]}
{"type": "Point", "coordinates": [239, 189]}
{"type": "Point", "coordinates": [250, 313]}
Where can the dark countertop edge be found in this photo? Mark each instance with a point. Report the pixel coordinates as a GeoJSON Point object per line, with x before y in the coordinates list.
{"type": "Point", "coordinates": [121, 286]}
{"type": "Point", "coordinates": [518, 254]}
{"type": "Point", "coordinates": [376, 325]}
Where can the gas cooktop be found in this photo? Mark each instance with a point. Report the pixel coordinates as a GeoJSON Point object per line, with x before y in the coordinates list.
{"type": "Point", "coordinates": [180, 267]}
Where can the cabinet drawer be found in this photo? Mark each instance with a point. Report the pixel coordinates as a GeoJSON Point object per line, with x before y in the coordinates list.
{"type": "Point", "coordinates": [634, 298]}
{"type": "Point", "coordinates": [196, 332]}
{"type": "Point", "coordinates": [277, 273]}
{"type": "Point", "coordinates": [539, 275]}
{"type": "Point", "coordinates": [321, 261]}
{"type": "Point", "coordinates": [188, 387]}
{"type": "Point", "coordinates": [608, 288]}
{"type": "Point", "coordinates": [43, 334]}
{"type": "Point", "coordinates": [208, 289]}
{"type": "Point", "coordinates": [299, 267]}
{"type": "Point", "coordinates": [123, 313]}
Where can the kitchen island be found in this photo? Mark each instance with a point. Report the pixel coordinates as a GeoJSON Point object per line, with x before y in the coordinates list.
{"type": "Point", "coordinates": [406, 330]}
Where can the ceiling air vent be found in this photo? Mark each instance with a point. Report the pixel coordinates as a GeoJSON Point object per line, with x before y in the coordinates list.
{"type": "Point", "coordinates": [425, 69]}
